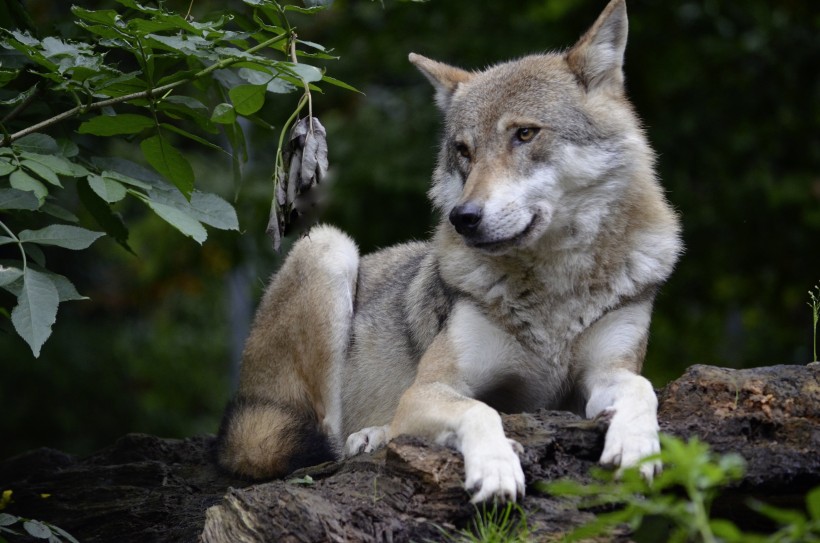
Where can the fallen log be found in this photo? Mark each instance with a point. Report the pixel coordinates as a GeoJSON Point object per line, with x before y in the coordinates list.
{"type": "Point", "coordinates": [144, 488]}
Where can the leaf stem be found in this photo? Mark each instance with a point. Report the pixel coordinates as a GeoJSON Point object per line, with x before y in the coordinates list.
{"type": "Point", "coordinates": [21, 106]}
{"type": "Point", "coordinates": [18, 242]}
{"type": "Point", "coordinates": [224, 63]}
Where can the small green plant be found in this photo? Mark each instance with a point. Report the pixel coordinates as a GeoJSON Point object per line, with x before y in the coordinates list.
{"type": "Point", "coordinates": [507, 524]}
{"type": "Point", "coordinates": [795, 526]}
{"type": "Point", "coordinates": [814, 304]}
{"type": "Point", "coordinates": [689, 466]}
{"type": "Point", "coordinates": [675, 507]}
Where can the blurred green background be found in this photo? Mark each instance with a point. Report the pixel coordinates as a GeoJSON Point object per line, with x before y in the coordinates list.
{"type": "Point", "coordinates": [730, 95]}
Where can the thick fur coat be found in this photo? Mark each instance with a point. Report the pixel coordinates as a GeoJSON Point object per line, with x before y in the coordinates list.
{"type": "Point", "coordinates": [535, 290]}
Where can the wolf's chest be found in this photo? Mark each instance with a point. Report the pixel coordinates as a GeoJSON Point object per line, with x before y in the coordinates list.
{"type": "Point", "coordinates": [519, 363]}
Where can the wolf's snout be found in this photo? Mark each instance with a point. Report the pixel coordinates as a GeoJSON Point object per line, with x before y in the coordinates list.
{"type": "Point", "coordinates": [466, 218]}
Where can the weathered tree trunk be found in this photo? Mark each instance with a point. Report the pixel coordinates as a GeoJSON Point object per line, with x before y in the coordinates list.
{"type": "Point", "coordinates": [148, 489]}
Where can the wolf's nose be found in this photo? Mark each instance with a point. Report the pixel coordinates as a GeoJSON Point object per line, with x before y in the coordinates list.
{"type": "Point", "coordinates": [466, 218]}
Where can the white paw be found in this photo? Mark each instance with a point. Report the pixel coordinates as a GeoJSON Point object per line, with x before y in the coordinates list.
{"type": "Point", "coordinates": [493, 471]}
{"type": "Point", "coordinates": [367, 440]}
{"type": "Point", "coordinates": [632, 436]}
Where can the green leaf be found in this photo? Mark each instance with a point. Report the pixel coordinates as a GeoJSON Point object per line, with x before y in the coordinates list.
{"type": "Point", "coordinates": [106, 17]}
{"type": "Point", "coordinates": [35, 253]}
{"type": "Point", "coordinates": [224, 113]}
{"type": "Point", "coordinates": [726, 530]}
{"type": "Point", "coordinates": [37, 529]}
{"type": "Point", "coordinates": [8, 520]}
{"type": "Point", "coordinates": [19, 98]}
{"type": "Point", "coordinates": [65, 534]}
{"type": "Point", "coordinates": [126, 179]}
{"type": "Point", "coordinates": [106, 188]}
{"type": "Point", "coordinates": [18, 199]}
{"type": "Point", "coordinates": [248, 99]}
{"type": "Point", "coordinates": [56, 163]}
{"type": "Point", "coordinates": [305, 72]}
{"type": "Point", "coordinates": [107, 220]}
{"type": "Point", "coordinates": [20, 180]}
{"type": "Point", "coordinates": [115, 125]}
{"type": "Point", "coordinates": [7, 76]}
{"type": "Point", "coordinates": [184, 106]}
{"type": "Point", "coordinates": [65, 288]}
{"type": "Point", "coordinates": [169, 162]}
{"type": "Point", "coordinates": [338, 83]}
{"type": "Point", "coordinates": [36, 309]}
{"type": "Point", "coordinates": [813, 503]}
{"type": "Point", "coordinates": [43, 172]}
{"type": "Point", "coordinates": [6, 167]}
{"type": "Point", "coordinates": [129, 172]}
{"type": "Point", "coordinates": [61, 235]}
{"type": "Point", "coordinates": [204, 207]}
{"type": "Point", "coordinates": [214, 211]}
{"type": "Point", "coordinates": [187, 101]}
{"type": "Point", "coordinates": [179, 220]}
{"type": "Point", "coordinates": [60, 212]}
{"type": "Point", "coordinates": [7, 276]}
{"type": "Point", "coordinates": [781, 516]}
{"type": "Point", "coordinates": [193, 137]}
{"type": "Point", "coordinates": [37, 143]}
{"type": "Point", "coordinates": [318, 6]}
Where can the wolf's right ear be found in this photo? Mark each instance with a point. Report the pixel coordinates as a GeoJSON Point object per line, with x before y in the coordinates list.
{"type": "Point", "coordinates": [445, 78]}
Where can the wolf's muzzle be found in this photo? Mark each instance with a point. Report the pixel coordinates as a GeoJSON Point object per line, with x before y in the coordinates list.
{"type": "Point", "coordinates": [466, 218]}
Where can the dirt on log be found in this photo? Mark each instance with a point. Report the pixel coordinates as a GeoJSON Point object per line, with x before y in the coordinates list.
{"type": "Point", "coordinates": [145, 489]}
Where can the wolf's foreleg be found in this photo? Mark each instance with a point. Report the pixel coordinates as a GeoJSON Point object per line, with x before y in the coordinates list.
{"type": "Point", "coordinates": [611, 356]}
{"type": "Point", "coordinates": [433, 407]}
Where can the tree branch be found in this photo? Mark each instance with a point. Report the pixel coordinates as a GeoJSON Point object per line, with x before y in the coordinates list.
{"type": "Point", "coordinates": [224, 63]}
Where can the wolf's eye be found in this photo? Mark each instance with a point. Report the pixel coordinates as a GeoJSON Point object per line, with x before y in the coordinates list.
{"type": "Point", "coordinates": [526, 133]}
{"type": "Point", "coordinates": [463, 150]}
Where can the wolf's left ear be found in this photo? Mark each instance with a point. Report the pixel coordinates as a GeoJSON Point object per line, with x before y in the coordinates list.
{"type": "Point", "coordinates": [445, 78]}
{"type": "Point", "coordinates": [598, 57]}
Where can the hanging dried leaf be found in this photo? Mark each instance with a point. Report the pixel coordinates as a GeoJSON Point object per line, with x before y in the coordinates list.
{"type": "Point", "coordinates": [304, 165]}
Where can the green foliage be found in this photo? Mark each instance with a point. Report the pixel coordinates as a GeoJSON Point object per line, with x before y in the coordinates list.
{"type": "Point", "coordinates": [688, 466]}
{"type": "Point", "coordinates": [153, 78]}
{"type": "Point", "coordinates": [496, 524]}
{"type": "Point", "coordinates": [34, 528]}
{"type": "Point", "coordinates": [795, 526]}
{"type": "Point", "coordinates": [678, 502]}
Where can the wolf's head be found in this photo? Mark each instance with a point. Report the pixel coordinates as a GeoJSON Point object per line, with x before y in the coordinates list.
{"type": "Point", "coordinates": [539, 145]}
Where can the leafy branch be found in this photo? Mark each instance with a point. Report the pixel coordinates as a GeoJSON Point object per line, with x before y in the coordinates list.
{"type": "Point", "coordinates": [169, 71]}
{"type": "Point", "coordinates": [148, 93]}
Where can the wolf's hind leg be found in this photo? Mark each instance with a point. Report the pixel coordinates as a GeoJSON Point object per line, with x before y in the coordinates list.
{"type": "Point", "coordinates": [286, 413]}
{"type": "Point", "coordinates": [367, 440]}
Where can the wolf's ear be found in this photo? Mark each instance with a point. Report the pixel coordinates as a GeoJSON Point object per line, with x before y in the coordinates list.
{"type": "Point", "coordinates": [598, 57]}
{"type": "Point", "coordinates": [445, 78]}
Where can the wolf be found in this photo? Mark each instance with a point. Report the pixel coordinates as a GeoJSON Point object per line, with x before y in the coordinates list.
{"type": "Point", "coordinates": [535, 291]}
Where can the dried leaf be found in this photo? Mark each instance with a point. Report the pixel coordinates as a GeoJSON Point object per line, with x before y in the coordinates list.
{"type": "Point", "coordinates": [304, 164]}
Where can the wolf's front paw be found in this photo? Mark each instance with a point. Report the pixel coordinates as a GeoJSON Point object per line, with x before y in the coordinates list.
{"type": "Point", "coordinates": [367, 440]}
{"type": "Point", "coordinates": [493, 471]}
{"type": "Point", "coordinates": [630, 438]}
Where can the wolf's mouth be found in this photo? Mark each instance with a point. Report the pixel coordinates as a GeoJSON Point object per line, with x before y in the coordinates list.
{"type": "Point", "coordinates": [505, 243]}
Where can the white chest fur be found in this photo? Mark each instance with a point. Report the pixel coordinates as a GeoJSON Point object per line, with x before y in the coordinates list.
{"type": "Point", "coordinates": [493, 365]}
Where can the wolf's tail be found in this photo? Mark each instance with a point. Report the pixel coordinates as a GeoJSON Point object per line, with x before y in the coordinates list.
{"type": "Point", "coordinates": [263, 439]}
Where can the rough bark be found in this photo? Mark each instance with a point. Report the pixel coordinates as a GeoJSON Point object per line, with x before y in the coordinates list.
{"type": "Point", "coordinates": [144, 488]}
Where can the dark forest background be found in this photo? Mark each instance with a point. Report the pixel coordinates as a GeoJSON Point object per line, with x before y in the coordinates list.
{"type": "Point", "coordinates": [730, 95]}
